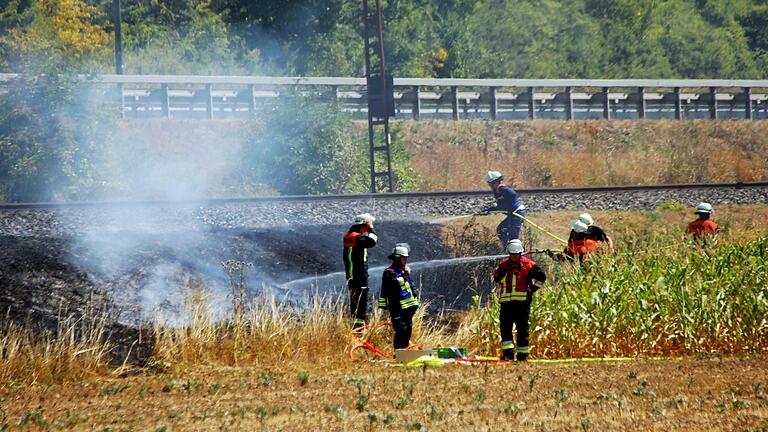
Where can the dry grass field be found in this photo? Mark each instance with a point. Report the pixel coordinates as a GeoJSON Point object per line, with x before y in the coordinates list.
{"type": "Point", "coordinates": [453, 155]}
{"type": "Point", "coordinates": [271, 369]}
{"type": "Point", "coordinates": [727, 394]}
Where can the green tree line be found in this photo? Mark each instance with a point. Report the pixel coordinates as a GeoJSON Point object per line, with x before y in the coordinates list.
{"type": "Point", "coordinates": [447, 38]}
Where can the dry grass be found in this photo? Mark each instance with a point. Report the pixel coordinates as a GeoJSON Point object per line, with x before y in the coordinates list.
{"type": "Point", "coordinates": [274, 367]}
{"type": "Point", "coordinates": [78, 348]}
{"type": "Point", "coordinates": [453, 155]}
{"type": "Point", "coordinates": [695, 394]}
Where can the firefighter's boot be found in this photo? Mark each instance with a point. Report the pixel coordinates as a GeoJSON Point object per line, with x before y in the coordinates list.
{"type": "Point", "coordinates": [521, 357]}
{"type": "Point", "coordinates": [508, 354]}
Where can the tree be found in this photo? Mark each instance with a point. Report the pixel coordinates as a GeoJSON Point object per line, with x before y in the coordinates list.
{"type": "Point", "coordinates": [306, 146]}
{"type": "Point", "coordinates": [45, 140]}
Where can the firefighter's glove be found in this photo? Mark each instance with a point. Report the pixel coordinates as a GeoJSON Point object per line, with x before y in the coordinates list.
{"type": "Point", "coordinates": [533, 288]}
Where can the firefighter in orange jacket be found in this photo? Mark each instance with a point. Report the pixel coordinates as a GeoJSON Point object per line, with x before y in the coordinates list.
{"type": "Point", "coordinates": [703, 228]}
{"type": "Point", "coordinates": [518, 277]}
{"type": "Point", "coordinates": [357, 241]}
{"type": "Point", "coordinates": [580, 243]}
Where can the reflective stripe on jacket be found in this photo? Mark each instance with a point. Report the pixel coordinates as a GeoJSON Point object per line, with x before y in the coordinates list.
{"type": "Point", "coordinates": [397, 291]}
{"type": "Point", "coordinates": [513, 280]}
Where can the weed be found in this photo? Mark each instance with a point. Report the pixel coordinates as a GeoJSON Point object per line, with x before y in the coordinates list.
{"type": "Point", "coordinates": [303, 378]}
{"type": "Point", "coordinates": [561, 395]}
{"type": "Point", "coordinates": [214, 388]}
{"type": "Point", "coordinates": [512, 409]}
{"type": "Point", "coordinates": [266, 378]}
{"type": "Point", "coordinates": [358, 383]}
{"type": "Point", "coordinates": [113, 389]}
{"type": "Point", "coordinates": [361, 403]}
{"type": "Point", "coordinates": [480, 396]}
{"type": "Point", "coordinates": [416, 427]}
{"type": "Point", "coordinates": [641, 389]}
{"type": "Point", "coordinates": [34, 418]}
{"type": "Point", "coordinates": [401, 403]}
{"type": "Point", "coordinates": [585, 424]}
{"type": "Point", "coordinates": [532, 378]}
{"type": "Point", "coordinates": [332, 409]}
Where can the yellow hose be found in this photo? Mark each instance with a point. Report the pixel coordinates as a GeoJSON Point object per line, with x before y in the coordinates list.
{"type": "Point", "coordinates": [533, 224]}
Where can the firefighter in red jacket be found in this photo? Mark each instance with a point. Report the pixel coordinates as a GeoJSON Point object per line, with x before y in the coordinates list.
{"type": "Point", "coordinates": [518, 277]}
{"type": "Point", "coordinates": [703, 229]}
{"type": "Point", "coordinates": [593, 231]}
{"type": "Point", "coordinates": [581, 243]}
{"type": "Point", "coordinates": [397, 295]}
{"type": "Point", "coordinates": [357, 241]}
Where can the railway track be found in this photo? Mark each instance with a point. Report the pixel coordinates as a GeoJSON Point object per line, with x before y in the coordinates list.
{"type": "Point", "coordinates": [379, 196]}
{"type": "Point", "coordinates": [294, 212]}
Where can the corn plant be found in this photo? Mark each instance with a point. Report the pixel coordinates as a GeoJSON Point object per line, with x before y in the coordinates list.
{"type": "Point", "coordinates": [660, 300]}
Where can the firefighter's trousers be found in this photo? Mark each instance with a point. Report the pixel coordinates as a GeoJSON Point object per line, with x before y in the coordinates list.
{"type": "Point", "coordinates": [403, 327]}
{"type": "Point", "coordinates": [515, 313]}
{"type": "Point", "coordinates": [509, 228]}
{"type": "Point", "coordinates": [358, 304]}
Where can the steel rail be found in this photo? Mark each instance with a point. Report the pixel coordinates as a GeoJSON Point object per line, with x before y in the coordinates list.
{"type": "Point", "coordinates": [371, 196]}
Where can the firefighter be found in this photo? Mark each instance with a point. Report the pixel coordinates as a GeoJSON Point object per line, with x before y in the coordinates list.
{"type": "Point", "coordinates": [703, 229]}
{"type": "Point", "coordinates": [397, 295]}
{"type": "Point", "coordinates": [357, 241]}
{"type": "Point", "coordinates": [593, 232]}
{"type": "Point", "coordinates": [518, 277]}
{"type": "Point", "coordinates": [508, 202]}
{"type": "Point", "coordinates": [580, 243]}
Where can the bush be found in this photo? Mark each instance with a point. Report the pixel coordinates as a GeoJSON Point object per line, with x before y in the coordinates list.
{"type": "Point", "coordinates": [307, 146]}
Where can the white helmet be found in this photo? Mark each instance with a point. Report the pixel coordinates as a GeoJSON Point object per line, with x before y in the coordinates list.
{"type": "Point", "coordinates": [400, 249]}
{"type": "Point", "coordinates": [579, 226]}
{"type": "Point", "coordinates": [493, 176]}
{"type": "Point", "coordinates": [515, 246]}
{"type": "Point", "coordinates": [586, 218]}
{"type": "Point", "coordinates": [704, 208]}
{"type": "Point", "coordinates": [364, 218]}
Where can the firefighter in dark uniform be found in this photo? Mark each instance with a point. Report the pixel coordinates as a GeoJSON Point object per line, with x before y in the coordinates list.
{"type": "Point", "coordinates": [357, 241]}
{"type": "Point", "coordinates": [518, 277]}
{"type": "Point", "coordinates": [703, 229]}
{"type": "Point", "coordinates": [397, 295]}
{"type": "Point", "coordinates": [508, 202]}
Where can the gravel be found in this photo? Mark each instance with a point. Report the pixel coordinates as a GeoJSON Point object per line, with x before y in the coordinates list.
{"type": "Point", "coordinates": [65, 222]}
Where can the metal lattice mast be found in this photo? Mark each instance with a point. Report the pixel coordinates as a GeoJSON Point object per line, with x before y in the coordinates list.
{"type": "Point", "coordinates": [380, 98]}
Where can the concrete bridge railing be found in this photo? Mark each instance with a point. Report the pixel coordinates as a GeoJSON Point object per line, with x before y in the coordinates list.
{"type": "Point", "coordinates": [213, 97]}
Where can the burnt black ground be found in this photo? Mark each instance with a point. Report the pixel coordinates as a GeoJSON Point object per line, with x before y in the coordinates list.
{"type": "Point", "coordinates": [43, 278]}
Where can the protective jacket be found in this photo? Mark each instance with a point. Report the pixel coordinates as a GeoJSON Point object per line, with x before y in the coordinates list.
{"type": "Point", "coordinates": [581, 246]}
{"type": "Point", "coordinates": [702, 227]}
{"type": "Point", "coordinates": [507, 200]}
{"type": "Point", "coordinates": [355, 256]}
{"type": "Point", "coordinates": [397, 292]}
{"type": "Point", "coordinates": [518, 282]}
